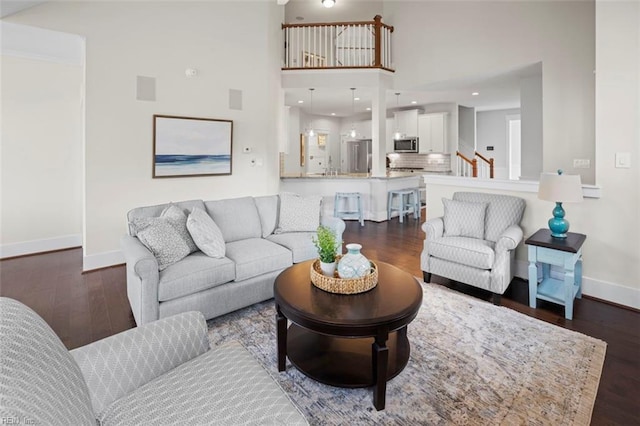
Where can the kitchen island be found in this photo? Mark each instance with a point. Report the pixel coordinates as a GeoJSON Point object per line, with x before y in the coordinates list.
{"type": "Point", "coordinates": [373, 189]}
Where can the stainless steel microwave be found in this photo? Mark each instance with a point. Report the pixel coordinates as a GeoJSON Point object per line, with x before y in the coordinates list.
{"type": "Point", "coordinates": [405, 145]}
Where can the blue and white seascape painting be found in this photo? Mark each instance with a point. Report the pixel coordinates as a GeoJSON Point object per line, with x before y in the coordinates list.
{"type": "Point", "coordinates": [191, 146]}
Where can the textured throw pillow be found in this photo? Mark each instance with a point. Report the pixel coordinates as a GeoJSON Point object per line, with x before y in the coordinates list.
{"type": "Point", "coordinates": [462, 219]}
{"type": "Point", "coordinates": [298, 214]}
{"type": "Point", "coordinates": [178, 218]}
{"type": "Point", "coordinates": [205, 233]}
{"type": "Point", "coordinates": [162, 239]}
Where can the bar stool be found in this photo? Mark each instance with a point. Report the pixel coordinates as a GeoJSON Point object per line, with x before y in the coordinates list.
{"type": "Point", "coordinates": [346, 212]}
{"type": "Point", "coordinates": [408, 199]}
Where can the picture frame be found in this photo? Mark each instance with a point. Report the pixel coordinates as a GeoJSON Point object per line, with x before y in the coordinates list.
{"type": "Point", "coordinates": [191, 146]}
{"type": "Point", "coordinates": [303, 142]}
{"type": "Point", "coordinates": [322, 139]}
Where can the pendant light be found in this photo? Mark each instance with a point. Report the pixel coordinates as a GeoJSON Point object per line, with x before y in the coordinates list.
{"type": "Point", "coordinates": [311, 133]}
{"type": "Point", "coordinates": [353, 123]}
{"type": "Point", "coordinates": [397, 135]}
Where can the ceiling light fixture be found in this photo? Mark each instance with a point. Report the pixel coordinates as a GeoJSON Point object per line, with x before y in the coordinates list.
{"type": "Point", "coordinates": [353, 124]}
{"type": "Point", "coordinates": [475, 94]}
{"type": "Point", "coordinates": [311, 133]}
{"type": "Point", "coordinates": [414, 102]}
{"type": "Point", "coordinates": [300, 101]}
{"type": "Point", "coordinates": [328, 3]}
{"type": "Point", "coordinates": [397, 135]}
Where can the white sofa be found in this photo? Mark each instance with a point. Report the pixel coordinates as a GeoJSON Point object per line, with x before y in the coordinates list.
{"type": "Point", "coordinates": [255, 255]}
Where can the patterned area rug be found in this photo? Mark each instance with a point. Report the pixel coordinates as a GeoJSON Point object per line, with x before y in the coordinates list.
{"type": "Point", "coordinates": [472, 363]}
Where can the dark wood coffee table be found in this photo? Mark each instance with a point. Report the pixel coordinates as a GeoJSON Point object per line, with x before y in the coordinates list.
{"type": "Point", "coordinates": [346, 340]}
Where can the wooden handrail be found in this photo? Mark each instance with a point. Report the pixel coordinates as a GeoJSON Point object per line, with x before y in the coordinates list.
{"type": "Point", "coordinates": [335, 24]}
{"type": "Point", "coordinates": [489, 161]}
{"type": "Point", "coordinates": [473, 163]}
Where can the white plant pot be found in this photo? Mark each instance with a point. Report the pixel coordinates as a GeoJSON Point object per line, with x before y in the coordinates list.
{"type": "Point", "coordinates": [328, 269]}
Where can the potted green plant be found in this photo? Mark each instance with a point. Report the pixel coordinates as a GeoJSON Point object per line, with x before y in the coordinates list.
{"type": "Point", "coordinates": [327, 245]}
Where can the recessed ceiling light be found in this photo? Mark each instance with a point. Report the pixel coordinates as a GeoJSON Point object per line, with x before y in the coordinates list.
{"type": "Point", "coordinates": [368, 109]}
{"type": "Point", "coordinates": [356, 99]}
{"type": "Point", "coordinates": [333, 113]}
{"type": "Point", "coordinates": [414, 102]}
{"type": "Point", "coordinates": [300, 101]}
{"type": "Point", "coordinates": [475, 94]}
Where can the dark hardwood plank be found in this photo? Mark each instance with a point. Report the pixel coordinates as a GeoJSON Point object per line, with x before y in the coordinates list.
{"type": "Point", "coordinates": [82, 308]}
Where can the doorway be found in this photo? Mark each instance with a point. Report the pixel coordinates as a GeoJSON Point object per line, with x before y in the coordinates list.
{"type": "Point", "coordinates": [513, 146]}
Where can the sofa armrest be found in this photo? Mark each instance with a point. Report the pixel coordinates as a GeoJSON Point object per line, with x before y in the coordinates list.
{"type": "Point", "coordinates": [118, 365]}
{"type": "Point", "coordinates": [142, 280]}
{"type": "Point", "coordinates": [433, 228]}
{"type": "Point", "coordinates": [338, 226]}
{"type": "Point", "coordinates": [509, 239]}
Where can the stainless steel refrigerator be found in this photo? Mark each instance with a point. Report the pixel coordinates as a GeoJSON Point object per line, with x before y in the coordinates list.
{"type": "Point", "coordinates": [359, 156]}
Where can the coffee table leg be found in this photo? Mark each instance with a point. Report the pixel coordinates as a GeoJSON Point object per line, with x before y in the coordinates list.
{"type": "Point", "coordinates": [380, 355]}
{"type": "Point", "coordinates": [281, 322]}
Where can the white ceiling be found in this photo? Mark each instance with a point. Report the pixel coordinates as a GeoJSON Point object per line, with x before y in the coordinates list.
{"type": "Point", "coordinates": [494, 92]}
{"type": "Point", "coordinates": [9, 7]}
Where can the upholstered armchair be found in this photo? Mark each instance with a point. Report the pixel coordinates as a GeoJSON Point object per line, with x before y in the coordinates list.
{"type": "Point", "coordinates": [160, 373]}
{"type": "Point", "coordinates": [474, 242]}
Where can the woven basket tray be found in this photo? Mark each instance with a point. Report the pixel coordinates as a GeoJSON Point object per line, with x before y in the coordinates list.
{"type": "Point", "coordinates": [343, 285]}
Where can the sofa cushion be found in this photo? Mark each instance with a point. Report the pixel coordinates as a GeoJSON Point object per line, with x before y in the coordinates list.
{"type": "Point", "coordinates": [467, 251]}
{"type": "Point", "coordinates": [226, 385]}
{"type": "Point", "coordinates": [300, 244]}
{"type": "Point", "coordinates": [257, 256]}
{"type": "Point", "coordinates": [298, 213]}
{"type": "Point", "coordinates": [155, 211]}
{"type": "Point", "coordinates": [194, 273]}
{"type": "Point", "coordinates": [463, 219]}
{"type": "Point", "coordinates": [205, 233]}
{"type": "Point", "coordinates": [40, 382]}
{"type": "Point", "coordinates": [502, 211]}
{"type": "Point", "coordinates": [178, 218]}
{"type": "Point", "coordinates": [161, 238]}
{"type": "Point", "coordinates": [268, 210]}
{"type": "Point", "coordinates": [237, 218]}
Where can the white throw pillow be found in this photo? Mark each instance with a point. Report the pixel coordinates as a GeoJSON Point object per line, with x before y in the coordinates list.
{"type": "Point", "coordinates": [298, 213]}
{"type": "Point", "coordinates": [162, 239]}
{"type": "Point", "coordinates": [463, 219]}
{"type": "Point", "coordinates": [205, 233]}
{"type": "Point", "coordinates": [178, 218]}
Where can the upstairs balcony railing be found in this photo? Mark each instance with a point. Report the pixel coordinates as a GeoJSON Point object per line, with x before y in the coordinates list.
{"type": "Point", "coordinates": [365, 44]}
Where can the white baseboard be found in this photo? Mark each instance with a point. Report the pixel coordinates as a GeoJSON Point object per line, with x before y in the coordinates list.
{"type": "Point", "coordinates": [604, 290]}
{"type": "Point", "coordinates": [39, 246]}
{"type": "Point", "coordinates": [102, 260]}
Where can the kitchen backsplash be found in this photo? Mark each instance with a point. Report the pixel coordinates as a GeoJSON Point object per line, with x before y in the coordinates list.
{"type": "Point", "coordinates": [430, 162]}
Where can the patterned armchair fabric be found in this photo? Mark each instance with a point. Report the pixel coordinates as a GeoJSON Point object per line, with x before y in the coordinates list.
{"type": "Point", "coordinates": [159, 373]}
{"type": "Point", "coordinates": [484, 263]}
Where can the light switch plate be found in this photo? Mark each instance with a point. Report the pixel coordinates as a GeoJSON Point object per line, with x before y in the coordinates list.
{"type": "Point", "coordinates": [623, 160]}
{"type": "Point", "coordinates": [581, 163]}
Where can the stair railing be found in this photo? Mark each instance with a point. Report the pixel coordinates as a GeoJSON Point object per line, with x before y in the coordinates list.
{"type": "Point", "coordinates": [466, 167]}
{"type": "Point", "coordinates": [485, 168]}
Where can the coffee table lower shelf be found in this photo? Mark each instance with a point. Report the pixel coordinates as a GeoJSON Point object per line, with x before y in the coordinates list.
{"type": "Point", "coordinates": [340, 361]}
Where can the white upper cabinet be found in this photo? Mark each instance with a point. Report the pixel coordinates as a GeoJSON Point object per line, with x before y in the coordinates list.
{"type": "Point", "coordinates": [407, 122]}
{"type": "Point", "coordinates": [432, 132]}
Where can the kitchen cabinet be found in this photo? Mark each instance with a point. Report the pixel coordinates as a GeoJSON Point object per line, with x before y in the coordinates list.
{"type": "Point", "coordinates": [432, 132]}
{"type": "Point", "coordinates": [406, 122]}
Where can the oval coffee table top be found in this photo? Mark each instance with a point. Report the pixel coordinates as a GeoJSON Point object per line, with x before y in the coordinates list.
{"type": "Point", "coordinates": [394, 302]}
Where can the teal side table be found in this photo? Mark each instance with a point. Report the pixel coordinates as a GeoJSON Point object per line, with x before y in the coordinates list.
{"type": "Point", "coordinates": [563, 252]}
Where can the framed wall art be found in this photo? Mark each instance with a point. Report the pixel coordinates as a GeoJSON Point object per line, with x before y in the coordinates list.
{"type": "Point", "coordinates": [189, 146]}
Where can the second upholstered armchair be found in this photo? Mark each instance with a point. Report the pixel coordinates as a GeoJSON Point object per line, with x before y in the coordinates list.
{"type": "Point", "coordinates": [474, 241]}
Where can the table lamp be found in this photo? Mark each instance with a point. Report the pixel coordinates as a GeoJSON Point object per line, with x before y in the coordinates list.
{"type": "Point", "coordinates": [560, 189]}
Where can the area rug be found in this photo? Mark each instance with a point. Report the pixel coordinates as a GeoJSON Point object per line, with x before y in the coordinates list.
{"type": "Point", "coordinates": [472, 363]}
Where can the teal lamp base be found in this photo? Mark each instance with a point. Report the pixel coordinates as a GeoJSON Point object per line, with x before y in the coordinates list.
{"type": "Point", "coordinates": [558, 225]}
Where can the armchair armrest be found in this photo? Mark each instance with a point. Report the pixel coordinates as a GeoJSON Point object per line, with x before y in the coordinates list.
{"type": "Point", "coordinates": [338, 226]}
{"type": "Point", "coordinates": [116, 366]}
{"type": "Point", "coordinates": [509, 239]}
{"type": "Point", "coordinates": [433, 228]}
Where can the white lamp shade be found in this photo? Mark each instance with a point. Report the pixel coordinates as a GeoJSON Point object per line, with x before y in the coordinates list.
{"type": "Point", "coordinates": [560, 188]}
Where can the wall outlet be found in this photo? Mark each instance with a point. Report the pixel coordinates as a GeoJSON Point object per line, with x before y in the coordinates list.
{"type": "Point", "coordinates": [623, 160]}
{"type": "Point", "coordinates": [581, 163]}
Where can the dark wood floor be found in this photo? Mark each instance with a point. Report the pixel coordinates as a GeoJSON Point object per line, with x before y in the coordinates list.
{"type": "Point", "coordinates": [82, 308]}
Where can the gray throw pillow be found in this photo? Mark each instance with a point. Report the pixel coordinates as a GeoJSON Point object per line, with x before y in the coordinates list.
{"type": "Point", "coordinates": [205, 233]}
{"type": "Point", "coordinates": [463, 219]}
{"type": "Point", "coordinates": [178, 218]}
{"type": "Point", "coordinates": [162, 239]}
{"type": "Point", "coordinates": [298, 213]}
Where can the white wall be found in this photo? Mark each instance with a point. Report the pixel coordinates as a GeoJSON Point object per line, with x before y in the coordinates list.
{"type": "Point", "coordinates": [466, 131]}
{"type": "Point", "coordinates": [491, 128]}
{"type": "Point", "coordinates": [41, 136]}
{"type": "Point", "coordinates": [234, 45]}
{"type": "Point", "coordinates": [532, 133]}
{"type": "Point", "coordinates": [438, 41]}
{"type": "Point", "coordinates": [612, 249]}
